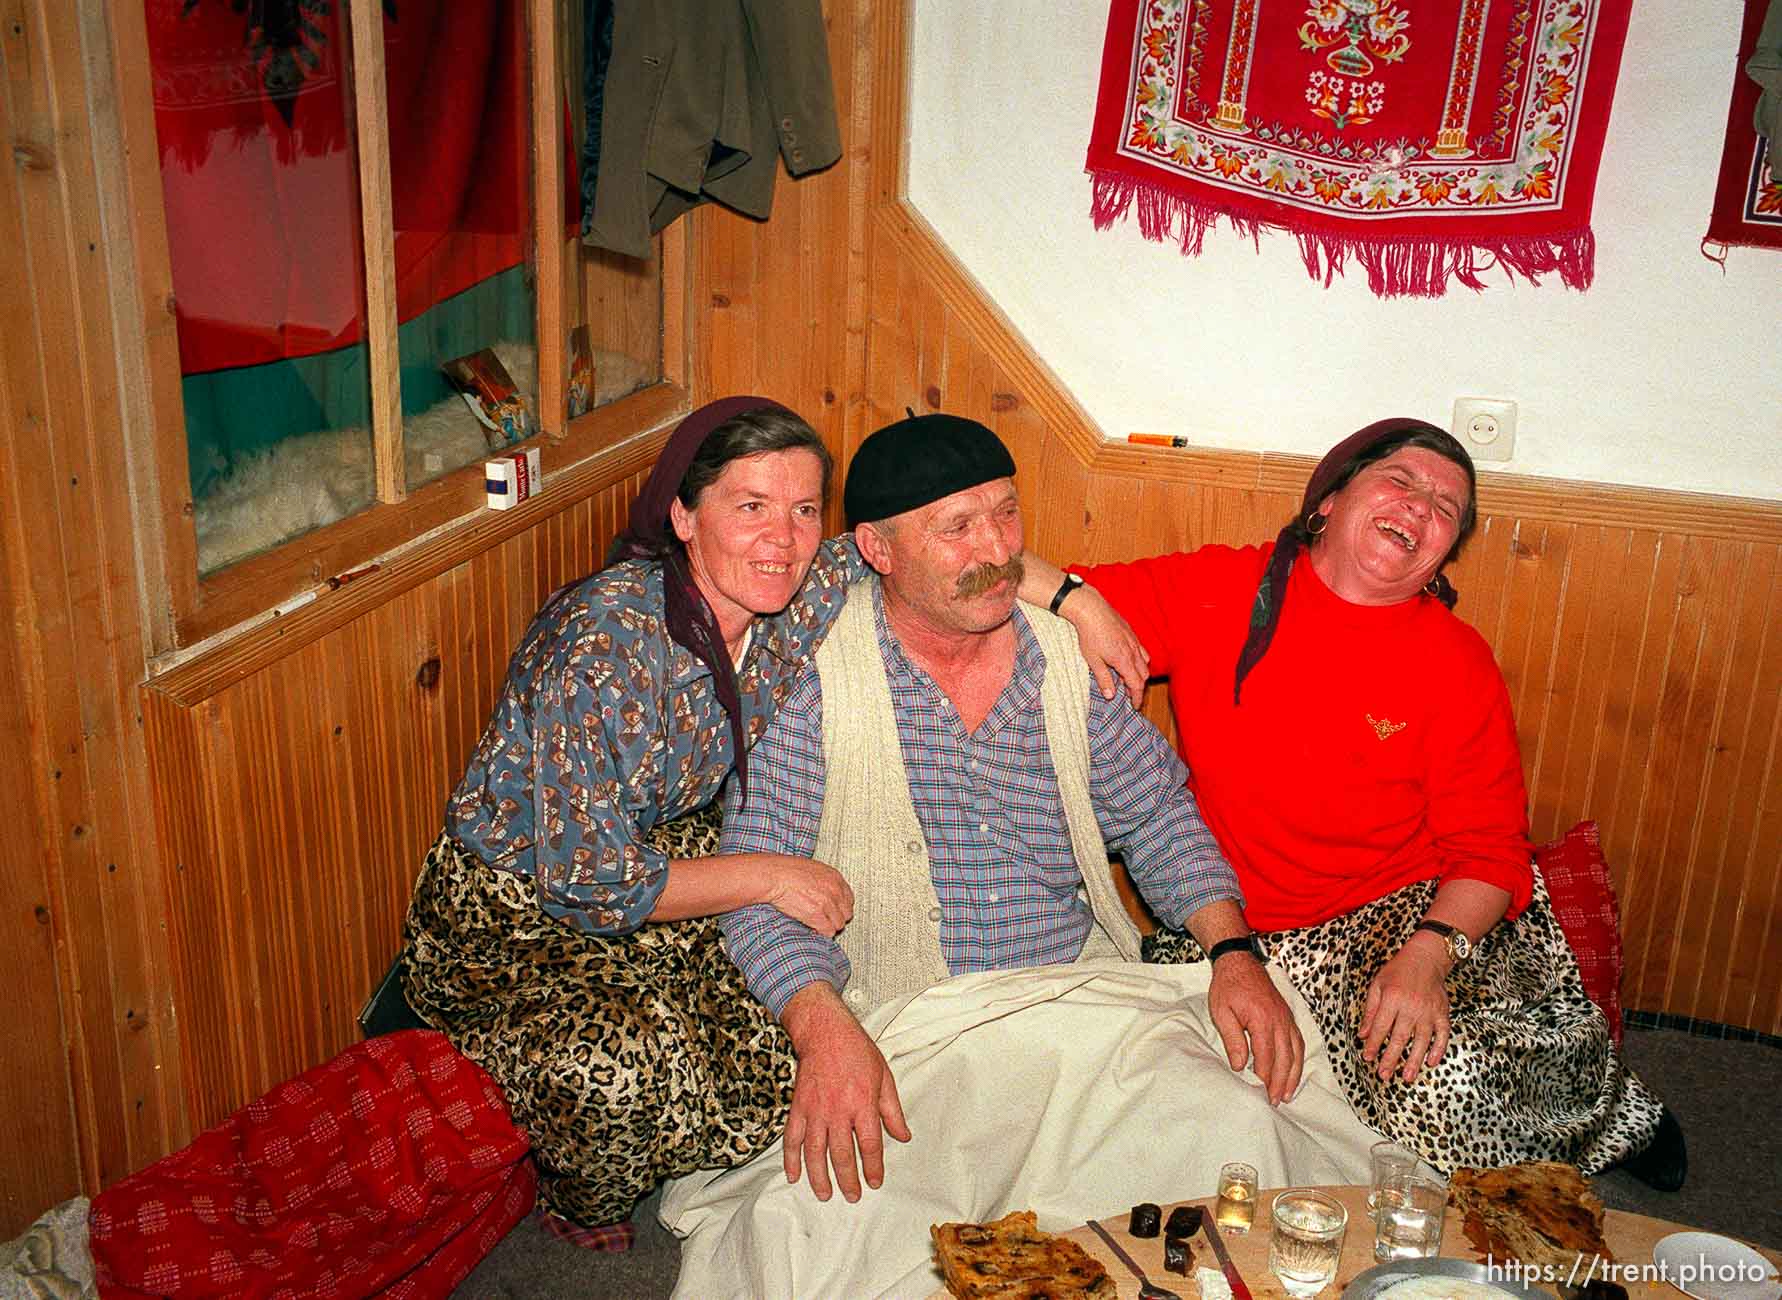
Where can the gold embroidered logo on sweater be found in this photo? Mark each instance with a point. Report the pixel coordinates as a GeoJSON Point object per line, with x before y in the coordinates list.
{"type": "Point", "coordinates": [1382, 727]}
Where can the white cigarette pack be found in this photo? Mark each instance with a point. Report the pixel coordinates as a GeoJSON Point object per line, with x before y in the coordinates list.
{"type": "Point", "coordinates": [510, 479]}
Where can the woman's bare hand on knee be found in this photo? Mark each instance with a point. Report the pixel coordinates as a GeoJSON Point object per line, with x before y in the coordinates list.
{"type": "Point", "coordinates": [811, 892]}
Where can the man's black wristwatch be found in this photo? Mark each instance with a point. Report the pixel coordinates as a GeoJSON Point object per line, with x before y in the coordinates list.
{"type": "Point", "coordinates": [1459, 946]}
{"type": "Point", "coordinates": [1250, 943]}
{"type": "Point", "coordinates": [1071, 583]}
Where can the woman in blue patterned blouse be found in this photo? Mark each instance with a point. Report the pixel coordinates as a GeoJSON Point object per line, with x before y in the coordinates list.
{"type": "Point", "coordinates": [631, 1051]}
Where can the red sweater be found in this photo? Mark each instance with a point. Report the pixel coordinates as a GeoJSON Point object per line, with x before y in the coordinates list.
{"type": "Point", "coordinates": [1374, 745]}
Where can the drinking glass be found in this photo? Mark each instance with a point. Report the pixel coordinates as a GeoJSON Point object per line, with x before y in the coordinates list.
{"type": "Point", "coordinates": [1306, 1240]}
{"type": "Point", "coordinates": [1236, 1207]}
{"type": "Point", "coordinates": [1408, 1221]}
{"type": "Point", "coordinates": [1393, 1167]}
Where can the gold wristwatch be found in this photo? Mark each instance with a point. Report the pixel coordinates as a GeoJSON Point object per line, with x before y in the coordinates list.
{"type": "Point", "coordinates": [1459, 946]}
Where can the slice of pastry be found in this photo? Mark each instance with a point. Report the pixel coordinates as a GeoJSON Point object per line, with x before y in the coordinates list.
{"type": "Point", "coordinates": [1542, 1214]}
{"type": "Point", "coordinates": [1011, 1259]}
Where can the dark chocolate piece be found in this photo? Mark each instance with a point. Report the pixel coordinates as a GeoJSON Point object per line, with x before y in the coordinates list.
{"type": "Point", "coordinates": [1145, 1218]}
{"type": "Point", "coordinates": [1184, 1221]}
{"type": "Point", "coordinates": [1178, 1256]}
{"type": "Point", "coordinates": [1598, 1289]}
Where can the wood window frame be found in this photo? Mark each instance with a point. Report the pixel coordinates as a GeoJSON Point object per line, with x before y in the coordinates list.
{"type": "Point", "coordinates": [192, 608]}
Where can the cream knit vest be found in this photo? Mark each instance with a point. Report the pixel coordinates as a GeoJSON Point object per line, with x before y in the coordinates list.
{"type": "Point", "coordinates": [868, 829]}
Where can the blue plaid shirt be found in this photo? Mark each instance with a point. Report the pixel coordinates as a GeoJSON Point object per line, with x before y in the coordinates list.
{"type": "Point", "coordinates": [988, 803]}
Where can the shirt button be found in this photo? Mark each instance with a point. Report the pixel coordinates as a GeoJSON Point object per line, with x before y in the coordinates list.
{"type": "Point", "coordinates": [798, 155]}
{"type": "Point", "coordinates": [984, 828]}
{"type": "Point", "coordinates": [785, 124]}
{"type": "Point", "coordinates": [856, 996]}
{"type": "Point", "coordinates": [996, 898]}
{"type": "Point", "coordinates": [934, 914]}
{"type": "Point", "coordinates": [914, 846]}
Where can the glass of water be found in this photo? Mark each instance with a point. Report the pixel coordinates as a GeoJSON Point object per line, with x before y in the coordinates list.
{"type": "Point", "coordinates": [1306, 1240]}
{"type": "Point", "coordinates": [1393, 1166]}
{"type": "Point", "coordinates": [1409, 1224]}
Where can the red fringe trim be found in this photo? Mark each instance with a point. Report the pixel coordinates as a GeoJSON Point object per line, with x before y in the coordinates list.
{"type": "Point", "coordinates": [1396, 265]}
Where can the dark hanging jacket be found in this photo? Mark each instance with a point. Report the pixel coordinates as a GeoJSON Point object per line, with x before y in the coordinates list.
{"type": "Point", "coordinates": [695, 100]}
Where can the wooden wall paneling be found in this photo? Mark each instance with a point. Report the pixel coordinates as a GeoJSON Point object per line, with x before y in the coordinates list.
{"type": "Point", "coordinates": [1623, 741]}
{"type": "Point", "coordinates": [1643, 905]}
{"type": "Point", "coordinates": [1110, 506]}
{"type": "Point", "coordinates": [543, 137]}
{"type": "Point", "coordinates": [1756, 994]}
{"type": "Point", "coordinates": [1483, 577]}
{"type": "Point", "coordinates": [931, 351]}
{"type": "Point", "coordinates": [333, 813]}
{"type": "Point", "coordinates": [1026, 439]}
{"type": "Point", "coordinates": [1691, 709]}
{"type": "Point", "coordinates": [857, 94]}
{"type": "Point", "coordinates": [371, 120]}
{"type": "Point", "coordinates": [38, 1146]}
{"type": "Point", "coordinates": [149, 353]}
{"type": "Point", "coordinates": [892, 358]}
{"type": "Point", "coordinates": [74, 580]}
{"type": "Point", "coordinates": [1563, 761]}
{"type": "Point", "coordinates": [968, 391]}
{"type": "Point", "coordinates": [1245, 515]}
{"type": "Point", "coordinates": [727, 311]}
{"type": "Point", "coordinates": [1733, 786]}
{"type": "Point", "coordinates": [780, 264]}
{"type": "Point", "coordinates": [1540, 556]}
{"type": "Point", "coordinates": [218, 925]}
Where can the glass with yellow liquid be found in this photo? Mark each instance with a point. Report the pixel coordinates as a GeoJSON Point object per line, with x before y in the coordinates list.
{"type": "Point", "coordinates": [1236, 1207]}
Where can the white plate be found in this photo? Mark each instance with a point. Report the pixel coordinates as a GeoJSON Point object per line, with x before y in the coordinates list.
{"type": "Point", "coordinates": [1381, 1277]}
{"type": "Point", "coordinates": [1711, 1267]}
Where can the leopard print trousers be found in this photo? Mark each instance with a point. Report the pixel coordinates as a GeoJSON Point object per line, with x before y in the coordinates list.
{"type": "Point", "coordinates": [1530, 1072]}
{"type": "Point", "coordinates": [626, 1059]}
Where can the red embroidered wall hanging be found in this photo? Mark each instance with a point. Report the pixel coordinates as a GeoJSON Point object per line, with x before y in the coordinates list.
{"type": "Point", "coordinates": [1748, 197]}
{"type": "Point", "coordinates": [1425, 141]}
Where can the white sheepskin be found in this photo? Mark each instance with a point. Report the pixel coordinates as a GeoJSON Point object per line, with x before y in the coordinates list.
{"type": "Point", "coordinates": [304, 482]}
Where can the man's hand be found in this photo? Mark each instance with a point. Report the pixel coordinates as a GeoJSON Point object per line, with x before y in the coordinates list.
{"type": "Point", "coordinates": [1405, 1022]}
{"type": "Point", "coordinates": [844, 1097]}
{"type": "Point", "coordinates": [809, 891]}
{"type": "Point", "coordinates": [1245, 1002]}
{"type": "Point", "coordinates": [1108, 644]}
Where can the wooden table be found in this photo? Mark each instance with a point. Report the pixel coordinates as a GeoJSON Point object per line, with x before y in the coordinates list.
{"type": "Point", "coordinates": [1630, 1237]}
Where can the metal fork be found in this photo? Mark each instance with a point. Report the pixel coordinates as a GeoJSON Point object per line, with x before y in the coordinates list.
{"type": "Point", "coordinates": [1147, 1291]}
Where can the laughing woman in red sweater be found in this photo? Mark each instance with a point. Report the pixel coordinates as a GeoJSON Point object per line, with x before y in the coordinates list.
{"type": "Point", "coordinates": [1351, 745]}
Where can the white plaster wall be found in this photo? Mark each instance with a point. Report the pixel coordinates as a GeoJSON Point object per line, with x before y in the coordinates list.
{"type": "Point", "coordinates": [1665, 373]}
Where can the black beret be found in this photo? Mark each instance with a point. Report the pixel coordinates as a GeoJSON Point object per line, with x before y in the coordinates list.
{"type": "Point", "coordinates": [920, 460]}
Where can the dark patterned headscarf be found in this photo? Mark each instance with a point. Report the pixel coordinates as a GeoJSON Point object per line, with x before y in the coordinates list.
{"type": "Point", "coordinates": [1340, 464]}
{"type": "Point", "coordinates": [649, 535]}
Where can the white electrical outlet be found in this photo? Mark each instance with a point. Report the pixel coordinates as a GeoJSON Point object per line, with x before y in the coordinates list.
{"type": "Point", "coordinates": [1486, 426]}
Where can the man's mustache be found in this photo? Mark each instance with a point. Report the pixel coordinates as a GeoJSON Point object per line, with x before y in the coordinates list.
{"type": "Point", "coordinates": [975, 582]}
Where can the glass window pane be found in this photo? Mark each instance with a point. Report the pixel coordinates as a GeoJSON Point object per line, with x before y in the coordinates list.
{"type": "Point", "coordinates": [259, 177]}
{"type": "Point", "coordinates": [456, 76]}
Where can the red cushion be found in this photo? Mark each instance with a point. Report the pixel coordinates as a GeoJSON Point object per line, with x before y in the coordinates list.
{"type": "Point", "coordinates": [390, 1170]}
{"type": "Point", "coordinates": [1584, 902]}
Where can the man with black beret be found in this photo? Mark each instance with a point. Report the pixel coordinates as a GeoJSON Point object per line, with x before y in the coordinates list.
{"type": "Point", "coordinates": [947, 754]}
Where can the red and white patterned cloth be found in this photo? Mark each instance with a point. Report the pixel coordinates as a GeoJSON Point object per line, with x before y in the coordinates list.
{"type": "Point", "coordinates": [391, 1170]}
{"type": "Point", "coordinates": [1584, 904]}
{"type": "Point", "coordinates": [1428, 142]}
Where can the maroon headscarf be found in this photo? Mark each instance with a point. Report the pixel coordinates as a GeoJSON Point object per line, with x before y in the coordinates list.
{"type": "Point", "coordinates": [1271, 592]}
{"type": "Point", "coordinates": [649, 535]}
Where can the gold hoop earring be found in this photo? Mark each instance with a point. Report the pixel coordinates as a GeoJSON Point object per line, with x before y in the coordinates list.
{"type": "Point", "coordinates": [1320, 520]}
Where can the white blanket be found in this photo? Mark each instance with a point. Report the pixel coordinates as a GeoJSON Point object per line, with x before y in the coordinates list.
{"type": "Point", "coordinates": [1073, 1091]}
